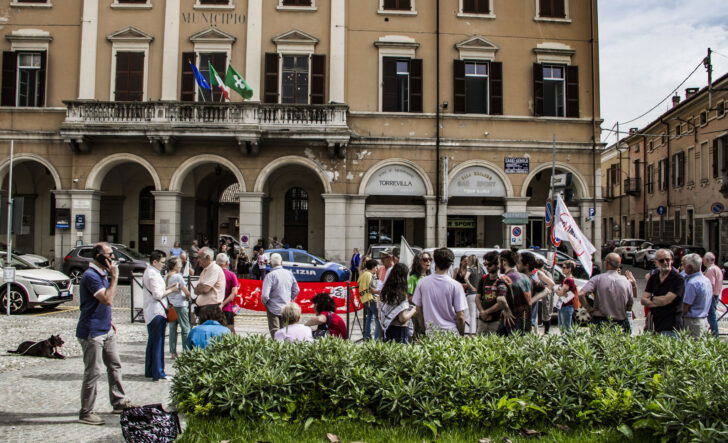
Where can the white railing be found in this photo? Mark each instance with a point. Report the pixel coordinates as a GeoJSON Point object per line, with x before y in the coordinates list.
{"type": "Point", "coordinates": [174, 113]}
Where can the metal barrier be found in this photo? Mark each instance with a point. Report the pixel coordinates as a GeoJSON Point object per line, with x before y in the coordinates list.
{"type": "Point", "coordinates": [137, 294]}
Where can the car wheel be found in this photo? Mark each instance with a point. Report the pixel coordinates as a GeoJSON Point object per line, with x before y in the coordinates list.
{"type": "Point", "coordinates": [328, 277]}
{"type": "Point", "coordinates": [18, 300]}
{"type": "Point", "coordinates": [75, 275]}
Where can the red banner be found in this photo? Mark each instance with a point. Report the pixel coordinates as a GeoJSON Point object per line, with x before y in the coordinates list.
{"type": "Point", "coordinates": [250, 290]}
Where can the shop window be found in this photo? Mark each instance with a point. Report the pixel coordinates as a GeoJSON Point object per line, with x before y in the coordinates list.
{"type": "Point", "coordinates": [24, 81]}
{"type": "Point", "coordinates": [301, 78]}
{"type": "Point", "coordinates": [556, 90]}
{"type": "Point", "coordinates": [129, 81]}
{"type": "Point", "coordinates": [401, 85]}
{"type": "Point", "coordinates": [478, 87]}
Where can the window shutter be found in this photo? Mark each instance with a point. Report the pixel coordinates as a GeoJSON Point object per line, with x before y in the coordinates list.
{"type": "Point", "coordinates": [572, 91]}
{"type": "Point", "coordinates": [544, 8]}
{"type": "Point", "coordinates": [459, 87]}
{"type": "Point", "coordinates": [537, 89]}
{"type": "Point", "coordinates": [415, 85]}
{"type": "Point", "coordinates": [469, 6]}
{"type": "Point", "coordinates": [219, 62]}
{"type": "Point", "coordinates": [682, 169]}
{"type": "Point", "coordinates": [271, 78]}
{"type": "Point", "coordinates": [121, 81]}
{"type": "Point", "coordinates": [318, 79]}
{"type": "Point", "coordinates": [716, 153]}
{"type": "Point", "coordinates": [42, 78]}
{"type": "Point", "coordinates": [9, 74]}
{"type": "Point", "coordinates": [188, 84]}
{"type": "Point", "coordinates": [136, 76]}
{"type": "Point", "coordinates": [558, 9]}
{"type": "Point", "coordinates": [390, 4]}
{"type": "Point", "coordinates": [389, 84]}
{"type": "Point", "coordinates": [496, 88]}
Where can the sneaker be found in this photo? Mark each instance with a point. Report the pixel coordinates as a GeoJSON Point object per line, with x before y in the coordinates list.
{"type": "Point", "coordinates": [118, 409]}
{"type": "Point", "coordinates": [165, 378]}
{"type": "Point", "coordinates": [91, 419]}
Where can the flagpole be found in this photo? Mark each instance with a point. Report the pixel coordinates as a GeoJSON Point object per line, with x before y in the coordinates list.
{"type": "Point", "coordinates": [9, 249]}
{"type": "Point", "coordinates": [552, 246]}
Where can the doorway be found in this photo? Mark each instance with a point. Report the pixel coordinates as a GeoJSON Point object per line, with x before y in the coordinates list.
{"type": "Point", "coordinates": [295, 221]}
{"type": "Point", "coordinates": [535, 233]}
{"type": "Point", "coordinates": [713, 230]}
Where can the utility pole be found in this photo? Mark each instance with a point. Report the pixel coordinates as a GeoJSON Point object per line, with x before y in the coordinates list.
{"type": "Point", "coordinates": [8, 250]}
{"type": "Point", "coordinates": [707, 62]}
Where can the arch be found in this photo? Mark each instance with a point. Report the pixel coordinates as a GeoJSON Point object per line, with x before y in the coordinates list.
{"type": "Point", "coordinates": [98, 172]}
{"type": "Point", "coordinates": [24, 157]}
{"type": "Point", "coordinates": [287, 161]}
{"type": "Point", "coordinates": [178, 178]}
{"type": "Point", "coordinates": [581, 185]}
{"type": "Point", "coordinates": [396, 161]}
{"type": "Point", "coordinates": [483, 164]}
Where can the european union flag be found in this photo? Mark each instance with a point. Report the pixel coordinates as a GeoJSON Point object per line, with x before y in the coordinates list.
{"type": "Point", "coordinates": [199, 77]}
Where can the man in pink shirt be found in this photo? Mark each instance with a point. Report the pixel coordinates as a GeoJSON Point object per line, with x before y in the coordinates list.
{"type": "Point", "coordinates": [231, 290]}
{"type": "Point", "coordinates": [715, 276]}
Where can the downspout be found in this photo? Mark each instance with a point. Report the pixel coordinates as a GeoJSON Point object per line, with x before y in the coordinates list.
{"type": "Point", "coordinates": [594, 112]}
{"type": "Point", "coordinates": [644, 187]}
{"type": "Point", "coordinates": [438, 197]}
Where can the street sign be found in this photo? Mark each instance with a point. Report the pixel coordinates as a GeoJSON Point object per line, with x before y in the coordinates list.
{"type": "Point", "coordinates": [80, 222]}
{"type": "Point", "coordinates": [517, 235]}
{"type": "Point", "coordinates": [9, 275]}
{"type": "Point", "coordinates": [245, 240]}
{"type": "Point", "coordinates": [717, 208]}
{"type": "Point", "coordinates": [549, 216]}
{"type": "Point", "coordinates": [559, 180]}
{"type": "Point", "coordinates": [516, 165]}
{"type": "Point", "coordinates": [661, 210]}
{"type": "Point", "coordinates": [63, 218]}
{"type": "Point", "coordinates": [592, 212]}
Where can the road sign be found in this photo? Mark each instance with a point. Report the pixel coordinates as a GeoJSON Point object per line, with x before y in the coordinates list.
{"type": "Point", "coordinates": [9, 275]}
{"type": "Point", "coordinates": [717, 208]}
{"type": "Point", "coordinates": [661, 210]}
{"type": "Point", "coordinates": [80, 222]}
{"type": "Point", "coordinates": [245, 240]}
{"type": "Point", "coordinates": [592, 212]}
{"type": "Point", "coordinates": [517, 235]}
{"type": "Point", "coordinates": [549, 217]}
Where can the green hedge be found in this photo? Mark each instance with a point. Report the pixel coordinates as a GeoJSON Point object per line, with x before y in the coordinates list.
{"type": "Point", "coordinates": [647, 384]}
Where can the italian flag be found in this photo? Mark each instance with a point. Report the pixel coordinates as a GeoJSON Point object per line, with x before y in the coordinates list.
{"type": "Point", "coordinates": [215, 80]}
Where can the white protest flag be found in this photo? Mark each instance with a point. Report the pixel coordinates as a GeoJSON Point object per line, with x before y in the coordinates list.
{"type": "Point", "coordinates": [566, 229]}
{"type": "Point", "coordinates": [406, 254]}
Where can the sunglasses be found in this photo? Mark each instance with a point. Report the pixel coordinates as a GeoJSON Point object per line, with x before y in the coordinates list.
{"type": "Point", "coordinates": [664, 260]}
{"type": "Point", "coordinates": [426, 259]}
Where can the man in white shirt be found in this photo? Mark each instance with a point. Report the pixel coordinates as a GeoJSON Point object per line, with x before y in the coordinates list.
{"type": "Point", "coordinates": [210, 288]}
{"type": "Point", "coordinates": [279, 288]}
{"type": "Point", "coordinates": [440, 300]}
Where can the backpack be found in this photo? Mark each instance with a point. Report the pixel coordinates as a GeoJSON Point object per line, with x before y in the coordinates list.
{"type": "Point", "coordinates": [150, 423]}
{"type": "Point", "coordinates": [324, 329]}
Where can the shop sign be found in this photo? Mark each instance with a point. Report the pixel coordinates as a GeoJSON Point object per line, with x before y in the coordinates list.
{"type": "Point", "coordinates": [477, 181]}
{"type": "Point", "coordinates": [395, 180]}
{"type": "Point", "coordinates": [460, 223]}
{"type": "Point", "coordinates": [516, 165]}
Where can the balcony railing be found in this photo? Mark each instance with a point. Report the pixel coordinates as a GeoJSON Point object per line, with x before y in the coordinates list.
{"type": "Point", "coordinates": [632, 186]}
{"type": "Point", "coordinates": [172, 113]}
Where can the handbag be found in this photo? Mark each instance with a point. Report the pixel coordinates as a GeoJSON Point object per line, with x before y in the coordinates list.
{"type": "Point", "coordinates": [149, 423]}
{"type": "Point", "coordinates": [323, 330]}
{"type": "Point", "coordinates": [171, 314]}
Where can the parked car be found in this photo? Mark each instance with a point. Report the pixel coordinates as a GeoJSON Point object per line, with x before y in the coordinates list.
{"type": "Point", "coordinates": [561, 257]}
{"type": "Point", "coordinates": [77, 260]}
{"type": "Point", "coordinates": [645, 255]}
{"type": "Point", "coordinates": [680, 251]}
{"type": "Point", "coordinates": [33, 286]}
{"type": "Point", "coordinates": [609, 246]}
{"type": "Point", "coordinates": [626, 246]}
{"type": "Point", "coordinates": [308, 267]}
{"type": "Point", "coordinates": [34, 259]}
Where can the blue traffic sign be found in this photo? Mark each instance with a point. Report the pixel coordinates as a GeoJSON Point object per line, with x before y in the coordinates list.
{"type": "Point", "coordinates": [661, 210]}
{"type": "Point", "coordinates": [717, 208]}
{"type": "Point", "coordinates": [517, 231]}
{"type": "Point", "coordinates": [549, 217]}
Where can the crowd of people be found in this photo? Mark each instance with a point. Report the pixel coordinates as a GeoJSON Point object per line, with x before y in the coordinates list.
{"type": "Point", "coordinates": [506, 295]}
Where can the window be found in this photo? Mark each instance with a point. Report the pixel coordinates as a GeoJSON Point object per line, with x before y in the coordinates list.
{"type": "Point", "coordinates": [678, 130]}
{"type": "Point", "coordinates": [302, 78]}
{"type": "Point", "coordinates": [678, 169]}
{"type": "Point", "coordinates": [662, 174]}
{"type": "Point", "coordinates": [131, 1]}
{"type": "Point", "coordinates": [401, 84]}
{"type": "Point", "coordinates": [552, 8]}
{"type": "Point", "coordinates": [651, 145]}
{"type": "Point", "coordinates": [703, 118]}
{"type": "Point", "coordinates": [30, 1]}
{"type": "Point", "coordinates": [678, 225]}
{"type": "Point", "coordinates": [650, 178]}
{"type": "Point", "coordinates": [690, 166]}
{"type": "Point", "coordinates": [475, 7]}
{"type": "Point", "coordinates": [665, 139]}
{"type": "Point", "coordinates": [720, 156]}
{"type": "Point", "coordinates": [129, 84]}
{"type": "Point", "coordinates": [23, 82]}
{"type": "Point", "coordinates": [478, 87]}
{"type": "Point", "coordinates": [190, 90]}
{"type": "Point", "coordinates": [296, 2]}
{"type": "Point", "coordinates": [720, 109]}
{"type": "Point", "coordinates": [213, 2]}
{"type": "Point", "coordinates": [397, 5]}
{"type": "Point", "coordinates": [556, 90]}
{"type": "Point", "coordinates": [637, 171]}
{"type": "Point", "coordinates": [704, 162]}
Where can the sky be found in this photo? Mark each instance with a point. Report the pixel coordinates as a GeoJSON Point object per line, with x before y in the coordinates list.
{"type": "Point", "coordinates": [648, 47]}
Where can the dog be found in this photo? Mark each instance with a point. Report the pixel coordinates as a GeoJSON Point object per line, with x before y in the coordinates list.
{"type": "Point", "coordinates": [48, 348]}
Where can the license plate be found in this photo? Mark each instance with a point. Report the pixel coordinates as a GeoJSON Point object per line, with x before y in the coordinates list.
{"type": "Point", "coordinates": [65, 294]}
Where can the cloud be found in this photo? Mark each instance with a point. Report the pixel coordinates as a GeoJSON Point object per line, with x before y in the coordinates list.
{"type": "Point", "coordinates": [648, 47]}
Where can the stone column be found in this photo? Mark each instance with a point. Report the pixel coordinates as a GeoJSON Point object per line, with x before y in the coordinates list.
{"type": "Point", "coordinates": [251, 216]}
{"type": "Point", "coordinates": [441, 241]}
{"type": "Point", "coordinates": [253, 47]}
{"type": "Point", "coordinates": [170, 54]}
{"type": "Point", "coordinates": [337, 65]}
{"type": "Point", "coordinates": [83, 202]}
{"type": "Point", "coordinates": [167, 212]}
{"type": "Point", "coordinates": [515, 204]}
{"type": "Point", "coordinates": [356, 218]}
{"type": "Point", "coordinates": [89, 31]}
{"type": "Point", "coordinates": [63, 240]}
{"type": "Point", "coordinates": [430, 234]}
{"type": "Point", "coordinates": [335, 227]}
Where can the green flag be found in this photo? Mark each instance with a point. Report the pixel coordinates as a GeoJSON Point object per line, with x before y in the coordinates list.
{"type": "Point", "coordinates": [237, 83]}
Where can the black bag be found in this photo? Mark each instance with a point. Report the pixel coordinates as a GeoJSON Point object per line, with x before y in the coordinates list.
{"type": "Point", "coordinates": [323, 330]}
{"type": "Point", "coordinates": [149, 423]}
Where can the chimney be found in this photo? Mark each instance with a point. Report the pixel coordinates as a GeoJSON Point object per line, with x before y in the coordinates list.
{"type": "Point", "coordinates": [676, 100]}
{"type": "Point", "coordinates": [689, 92]}
{"type": "Point", "coordinates": [633, 131]}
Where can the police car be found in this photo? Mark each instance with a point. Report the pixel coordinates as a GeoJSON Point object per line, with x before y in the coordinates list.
{"type": "Point", "coordinates": [307, 267]}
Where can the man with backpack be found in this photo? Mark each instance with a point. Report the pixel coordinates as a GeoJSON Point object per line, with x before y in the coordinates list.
{"type": "Point", "coordinates": [514, 297]}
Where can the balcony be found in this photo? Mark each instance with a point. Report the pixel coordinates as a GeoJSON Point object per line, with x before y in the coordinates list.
{"type": "Point", "coordinates": [166, 123]}
{"type": "Point", "coordinates": [632, 186]}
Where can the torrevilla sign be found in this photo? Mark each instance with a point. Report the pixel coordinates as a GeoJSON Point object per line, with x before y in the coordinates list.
{"type": "Point", "coordinates": [395, 180]}
{"type": "Point", "coordinates": [476, 181]}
